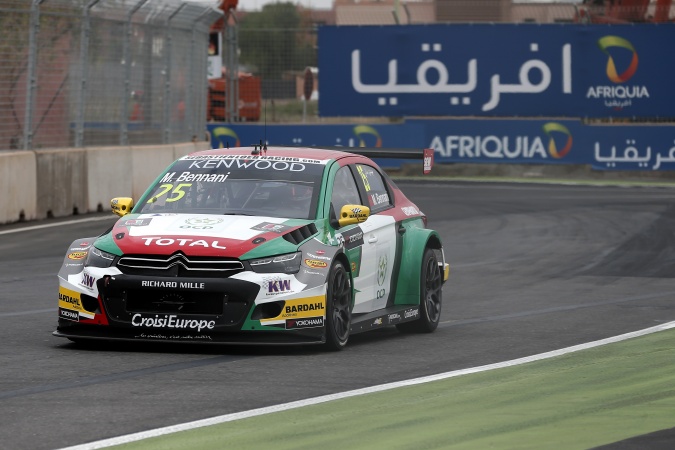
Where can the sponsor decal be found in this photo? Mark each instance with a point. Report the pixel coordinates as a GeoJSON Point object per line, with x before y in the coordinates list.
{"type": "Point", "coordinates": [408, 313]}
{"type": "Point", "coordinates": [186, 337]}
{"type": "Point", "coordinates": [69, 315]}
{"type": "Point", "coordinates": [171, 321]}
{"type": "Point", "coordinates": [316, 264]}
{"type": "Point", "coordinates": [173, 284]}
{"type": "Point", "coordinates": [309, 272]}
{"type": "Point", "coordinates": [320, 252]}
{"type": "Point", "coordinates": [353, 238]}
{"type": "Point", "coordinates": [552, 130]}
{"type": "Point", "coordinates": [79, 249]}
{"type": "Point", "coordinates": [248, 162]}
{"type": "Point", "coordinates": [201, 223]}
{"type": "Point", "coordinates": [382, 269]}
{"type": "Point", "coordinates": [268, 226]}
{"type": "Point", "coordinates": [302, 308]}
{"type": "Point", "coordinates": [618, 95]}
{"type": "Point", "coordinates": [394, 318]}
{"type": "Point", "coordinates": [77, 255]}
{"type": "Point", "coordinates": [136, 222]}
{"type": "Point", "coordinates": [309, 322]}
{"type": "Point", "coordinates": [80, 264]}
{"type": "Point", "coordinates": [181, 242]}
{"type": "Point", "coordinates": [87, 280]}
{"type": "Point", "coordinates": [377, 321]}
{"type": "Point", "coordinates": [247, 158]}
{"type": "Point", "coordinates": [356, 213]}
{"type": "Point", "coordinates": [69, 299]}
{"type": "Point", "coordinates": [311, 255]}
{"type": "Point", "coordinates": [276, 286]}
{"type": "Point", "coordinates": [410, 211]}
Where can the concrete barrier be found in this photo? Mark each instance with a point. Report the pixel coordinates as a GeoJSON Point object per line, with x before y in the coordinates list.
{"type": "Point", "coordinates": [109, 172]}
{"type": "Point", "coordinates": [147, 162]}
{"type": "Point", "coordinates": [61, 182]}
{"type": "Point", "coordinates": [19, 186]}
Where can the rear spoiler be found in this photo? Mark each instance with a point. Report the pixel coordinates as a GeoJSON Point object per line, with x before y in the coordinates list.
{"type": "Point", "coordinates": [426, 155]}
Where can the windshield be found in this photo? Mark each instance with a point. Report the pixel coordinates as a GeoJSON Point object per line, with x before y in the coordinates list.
{"type": "Point", "coordinates": [237, 184]}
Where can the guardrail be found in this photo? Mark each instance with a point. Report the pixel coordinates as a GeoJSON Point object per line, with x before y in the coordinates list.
{"type": "Point", "coordinates": [61, 182]}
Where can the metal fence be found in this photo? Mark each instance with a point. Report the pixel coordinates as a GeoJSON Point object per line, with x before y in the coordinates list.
{"type": "Point", "coordinates": [118, 72]}
{"type": "Point", "coordinates": [79, 73]}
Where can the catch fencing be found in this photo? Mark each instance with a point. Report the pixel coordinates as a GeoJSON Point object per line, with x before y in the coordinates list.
{"type": "Point", "coordinates": [77, 73]}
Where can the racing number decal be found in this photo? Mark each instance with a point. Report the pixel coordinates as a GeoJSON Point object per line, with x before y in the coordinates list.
{"type": "Point", "coordinates": [364, 177]}
{"type": "Point", "coordinates": [177, 192]}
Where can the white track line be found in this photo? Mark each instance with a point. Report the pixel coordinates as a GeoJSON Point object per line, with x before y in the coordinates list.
{"type": "Point", "coordinates": [383, 387]}
{"type": "Point", "coordinates": [56, 224]}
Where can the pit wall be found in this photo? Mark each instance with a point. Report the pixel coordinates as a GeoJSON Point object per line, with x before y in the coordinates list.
{"type": "Point", "coordinates": [60, 182]}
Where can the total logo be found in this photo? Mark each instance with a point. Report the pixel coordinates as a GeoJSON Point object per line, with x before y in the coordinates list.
{"type": "Point", "coordinates": [182, 242]}
{"type": "Point", "coordinates": [618, 95]}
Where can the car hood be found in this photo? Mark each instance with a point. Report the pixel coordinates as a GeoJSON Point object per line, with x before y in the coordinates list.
{"type": "Point", "coordinates": [198, 234]}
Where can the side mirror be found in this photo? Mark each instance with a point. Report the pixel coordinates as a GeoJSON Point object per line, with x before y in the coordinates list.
{"type": "Point", "coordinates": [121, 205]}
{"type": "Point", "coordinates": [350, 214]}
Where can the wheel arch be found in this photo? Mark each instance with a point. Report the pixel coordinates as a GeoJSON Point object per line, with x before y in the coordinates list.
{"type": "Point", "coordinates": [415, 242]}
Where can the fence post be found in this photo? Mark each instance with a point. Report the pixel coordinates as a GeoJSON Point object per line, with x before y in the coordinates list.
{"type": "Point", "coordinates": [190, 110]}
{"type": "Point", "coordinates": [34, 29]}
{"type": "Point", "coordinates": [166, 120]}
{"type": "Point", "coordinates": [126, 52]}
{"type": "Point", "coordinates": [232, 64]}
{"type": "Point", "coordinates": [84, 61]}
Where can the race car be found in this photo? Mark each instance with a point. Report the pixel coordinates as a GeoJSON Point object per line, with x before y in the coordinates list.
{"type": "Point", "coordinates": [258, 245]}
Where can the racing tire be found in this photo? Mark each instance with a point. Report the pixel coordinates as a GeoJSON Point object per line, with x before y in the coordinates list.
{"type": "Point", "coordinates": [338, 308]}
{"type": "Point", "coordinates": [431, 297]}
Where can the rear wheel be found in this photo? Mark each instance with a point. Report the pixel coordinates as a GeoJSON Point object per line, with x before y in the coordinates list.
{"type": "Point", "coordinates": [338, 307]}
{"type": "Point", "coordinates": [431, 297]}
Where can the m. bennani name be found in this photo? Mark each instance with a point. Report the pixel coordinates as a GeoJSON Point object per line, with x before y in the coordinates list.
{"type": "Point", "coordinates": [173, 284]}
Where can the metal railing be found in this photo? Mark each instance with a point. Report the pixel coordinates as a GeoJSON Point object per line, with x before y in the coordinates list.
{"type": "Point", "coordinates": [77, 73]}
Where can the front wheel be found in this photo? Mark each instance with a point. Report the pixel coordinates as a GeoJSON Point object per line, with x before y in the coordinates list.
{"type": "Point", "coordinates": [338, 307]}
{"type": "Point", "coordinates": [431, 296]}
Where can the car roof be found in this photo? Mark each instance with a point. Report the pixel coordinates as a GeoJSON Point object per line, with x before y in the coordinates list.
{"type": "Point", "coordinates": [291, 152]}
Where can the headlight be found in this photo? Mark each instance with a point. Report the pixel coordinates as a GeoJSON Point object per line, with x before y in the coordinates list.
{"type": "Point", "coordinates": [98, 258]}
{"type": "Point", "coordinates": [288, 263]}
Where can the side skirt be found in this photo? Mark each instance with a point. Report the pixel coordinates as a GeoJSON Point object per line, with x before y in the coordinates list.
{"type": "Point", "coordinates": [384, 317]}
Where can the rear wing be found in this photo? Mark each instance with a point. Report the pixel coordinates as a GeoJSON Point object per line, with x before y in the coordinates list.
{"type": "Point", "coordinates": [426, 154]}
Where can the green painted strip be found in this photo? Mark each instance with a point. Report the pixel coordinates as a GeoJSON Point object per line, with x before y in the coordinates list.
{"type": "Point", "coordinates": [578, 400]}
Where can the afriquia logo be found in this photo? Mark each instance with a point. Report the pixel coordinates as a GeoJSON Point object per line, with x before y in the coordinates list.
{"type": "Point", "coordinates": [620, 53]}
{"type": "Point", "coordinates": [363, 131]}
{"type": "Point", "coordinates": [220, 135]}
{"type": "Point", "coordinates": [557, 132]}
{"type": "Point", "coordinates": [504, 147]}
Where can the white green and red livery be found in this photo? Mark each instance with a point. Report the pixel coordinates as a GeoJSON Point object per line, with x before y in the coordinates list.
{"type": "Point", "coordinates": [258, 246]}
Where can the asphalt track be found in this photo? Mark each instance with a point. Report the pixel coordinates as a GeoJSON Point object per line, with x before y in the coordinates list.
{"type": "Point", "coordinates": [534, 268]}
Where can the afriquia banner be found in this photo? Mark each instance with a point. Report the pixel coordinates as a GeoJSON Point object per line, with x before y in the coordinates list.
{"type": "Point", "coordinates": [531, 70]}
{"type": "Point", "coordinates": [516, 141]}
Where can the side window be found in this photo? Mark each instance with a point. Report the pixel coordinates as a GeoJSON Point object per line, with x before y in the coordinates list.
{"type": "Point", "coordinates": [345, 191]}
{"type": "Point", "coordinates": [375, 187]}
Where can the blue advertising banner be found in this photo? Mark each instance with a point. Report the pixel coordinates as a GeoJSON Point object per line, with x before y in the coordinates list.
{"type": "Point", "coordinates": [515, 141]}
{"type": "Point", "coordinates": [532, 70]}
